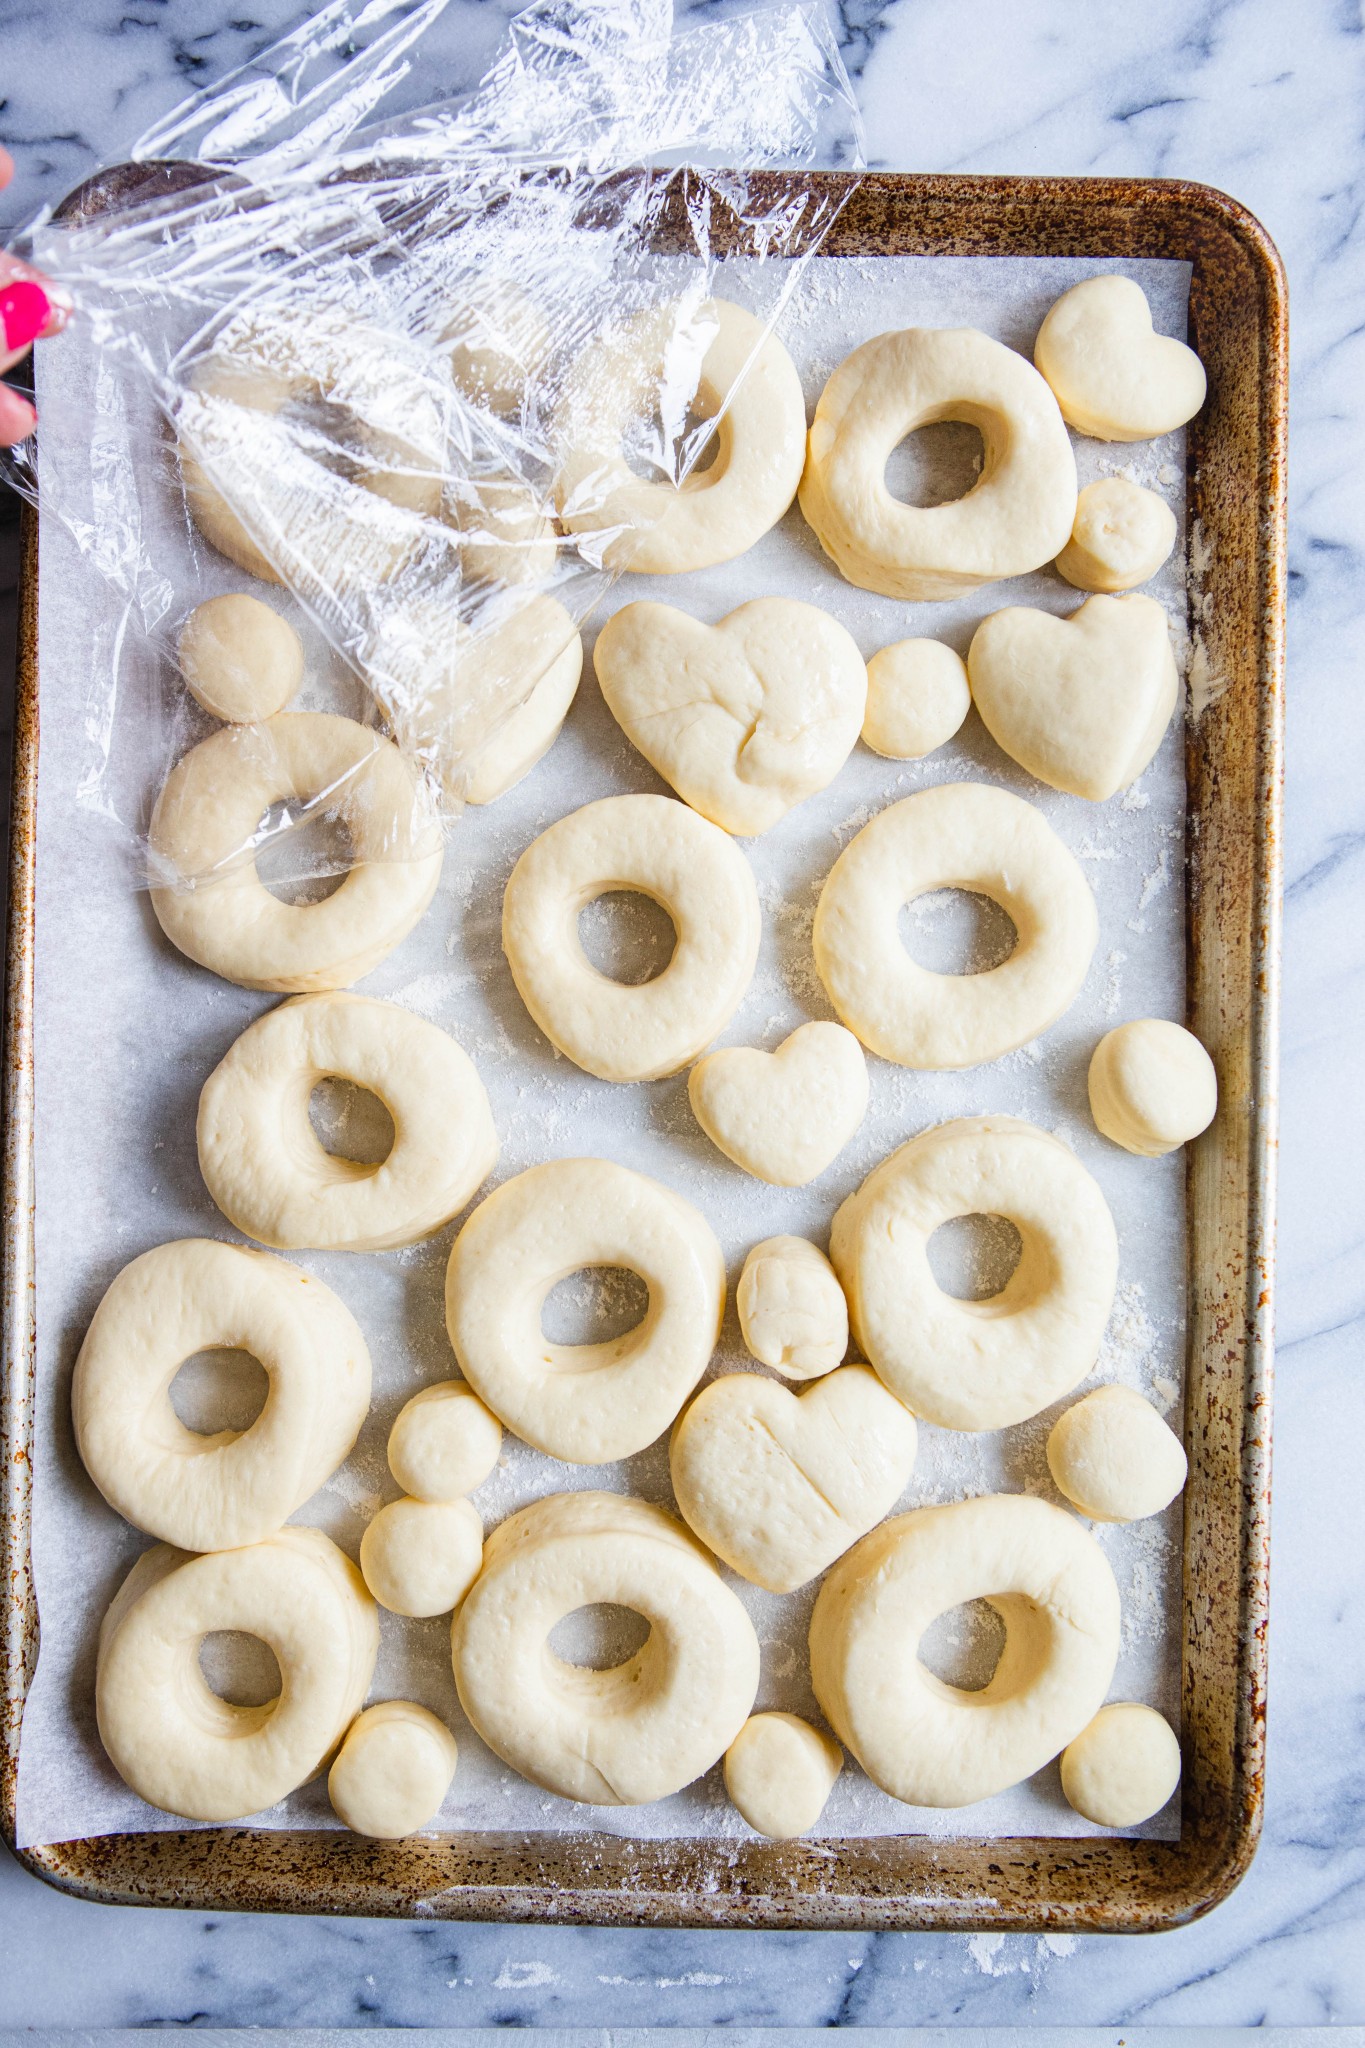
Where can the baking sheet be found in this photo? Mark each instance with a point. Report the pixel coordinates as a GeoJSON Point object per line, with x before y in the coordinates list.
{"type": "Point", "coordinates": [126, 1032]}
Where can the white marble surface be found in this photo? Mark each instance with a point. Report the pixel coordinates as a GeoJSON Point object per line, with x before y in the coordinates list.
{"type": "Point", "coordinates": [1262, 98]}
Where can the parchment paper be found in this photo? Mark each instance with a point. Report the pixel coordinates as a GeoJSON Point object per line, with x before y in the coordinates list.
{"type": "Point", "coordinates": [127, 1031]}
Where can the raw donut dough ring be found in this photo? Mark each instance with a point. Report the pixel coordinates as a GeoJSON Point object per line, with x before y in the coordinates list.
{"type": "Point", "coordinates": [932, 1744]}
{"type": "Point", "coordinates": [694, 871]}
{"type": "Point", "coordinates": [216, 1492]}
{"type": "Point", "coordinates": [717, 512]}
{"type": "Point", "coordinates": [1015, 517]}
{"type": "Point", "coordinates": [792, 1312]}
{"type": "Point", "coordinates": [957, 835]}
{"type": "Point", "coordinates": [1120, 536]}
{"type": "Point", "coordinates": [640, 1730]}
{"type": "Point", "coordinates": [173, 1740]}
{"type": "Point", "coordinates": [421, 1557]}
{"type": "Point", "coordinates": [1152, 1086]}
{"type": "Point", "coordinates": [270, 1174]}
{"type": "Point", "coordinates": [207, 820]}
{"type": "Point", "coordinates": [444, 1443]}
{"type": "Point", "coordinates": [1114, 1458]}
{"type": "Point", "coordinates": [393, 1771]}
{"type": "Point", "coordinates": [779, 1771]}
{"type": "Point", "coordinates": [239, 658]}
{"type": "Point", "coordinates": [586, 1403]}
{"type": "Point", "coordinates": [978, 1364]}
{"type": "Point", "coordinates": [1122, 1768]}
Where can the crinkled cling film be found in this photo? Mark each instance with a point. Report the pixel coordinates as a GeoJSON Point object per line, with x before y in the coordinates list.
{"type": "Point", "coordinates": [425, 380]}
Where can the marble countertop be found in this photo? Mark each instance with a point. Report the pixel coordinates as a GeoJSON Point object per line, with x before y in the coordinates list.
{"type": "Point", "coordinates": [1263, 100]}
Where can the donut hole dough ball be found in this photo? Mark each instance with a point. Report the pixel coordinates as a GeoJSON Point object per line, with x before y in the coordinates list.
{"type": "Point", "coordinates": [1120, 536]}
{"type": "Point", "coordinates": [271, 1176]}
{"type": "Point", "coordinates": [1114, 1458]}
{"type": "Point", "coordinates": [1153, 1087]}
{"type": "Point", "coordinates": [393, 1771]}
{"type": "Point", "coordinates": [717, 511]}
{"type": "Point", "coordinates": [1122, 1768]}
{"type": "Point", "coordinates": [240, 659]}
{"type": "Point", "coordinates": [207, 820]}
{"type": "Point", "coordinates": [960, 835]}
{"type": "Point", "coordinates": [170, 1737]}
{"type": "Point", "coordinates": [978, 1364]}
{"type": "Point", "coordinates": [694, 871]}
{"type": "Point", "coordinates": [932, 1744]}
{"type": "Point", "coordinates": [1016, 516]}
{"type": "Point", "coordinates": [444, 1443]}
{"type": "Point", "coordinates": [587, 1403]}
{"type": "Point", "coordinates": [421, 1557]}
{"type": "Point", "coordinates": [917, 697]}
{"type": "Point", "coordinates": [779, 1771]}
{"type": "Point", "coordinates": [792, 1311]}
{"type": "Point", "coordinates": [633, 1732]}
{"type": "Point", "coordinates": [1113, 377]}
{"type": "Point", "coordinates": [214, 1492]}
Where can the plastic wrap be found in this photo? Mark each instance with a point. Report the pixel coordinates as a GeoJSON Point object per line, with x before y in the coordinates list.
{"type": "Point", "coordinates": [365, 362]}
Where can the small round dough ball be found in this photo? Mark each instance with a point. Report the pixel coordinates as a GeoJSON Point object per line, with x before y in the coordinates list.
{"type": "Point", "coordinates": [1123, 1767]}
{"type": "Point", "coordinates": [779, 1771]}
{"type": "Point", "coordinates": [240, 659]}
{"type": "Point", "coordinates": [917, 697]}
{"type": "Point", "coordinates": [792, 1310]}
{"type": "Point", "coordinates": [1120, 536]}
{"type": "Point", "coordinates": [421, 1557]}
{"type": "Point", "coordinates": [444, 1443]}
{"type": "Point", "coordinates": [1152, 1086]}
{"type": "Point", "coordinates": [393, 1771]}
{"type": "Point", "coordinates": [1114, 1458]}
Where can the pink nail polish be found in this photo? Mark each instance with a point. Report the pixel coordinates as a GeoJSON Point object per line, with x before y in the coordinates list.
{"type": "Point", "coordinates": [24, 312]}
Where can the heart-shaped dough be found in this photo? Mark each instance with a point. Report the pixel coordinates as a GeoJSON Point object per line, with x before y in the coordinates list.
{"type": "Point", "coordinates": [745, 718]}
{"type": "Point", "coordinates": [1112, 376]}
{"type": "Point", "coordinates": [780, 1484]}
{"type": "Point", "coordinates": [783, 1116]}
{"type": "Point", "coordinates": [1080, 702]}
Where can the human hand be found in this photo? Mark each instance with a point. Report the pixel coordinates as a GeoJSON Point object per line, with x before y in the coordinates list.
{"type": "Point", "coordinates": [31, 306]}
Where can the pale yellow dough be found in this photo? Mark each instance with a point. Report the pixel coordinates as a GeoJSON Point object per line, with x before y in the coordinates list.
{"type": "Point", "coordinates": [213, 904]}
{"type": "Point", "coordinates": [662, 850]}
{"type": "Point", "coordinates": [1083, 702]}
{"type": "Point", "coordinates": [1112, 375]}
{"type": "Point", "coordinates": [1122, 1768]}
{"type": "Point", "coordinates": [917, 697]}
{"type": "Point", "coordinates": [1114, 1458]}
{"type": "Point", "coordinates": [1120, 537]}
{"type": "Point", "coordinates": [216, 1492]}
{"type": "Point", "coordinates": [783, 1116]}
{"type": "Point", "coordinates": [779, 1771]}
{"type": "Point", "coordinates": [586, 1403]}
{"type": "Point", "coordinates": [444, 1442]}
{"type": "Point", "coordinates": [499, 344]}
{"type": "Point", "coordinates": [270, 1174]}
{"type": "Point", "coordinates": [174, 1741]}
{"type": "Point", "coordinates": [393, 1771]}
{"type": "Point", "coordinates": [792, 1311]}
{"type": "Point", "coordinates": [978, 1364]}
{"type": "Point", "coordinates": [779, 1484]}
{"type": "Point", "coordinates": [1015, 517]}
{"type": "Point", "coordinates": [639, 1730]}
{"type": "Point", "coordinates": [507, 536]}
{"type": "Point", "coordinates": [932, 1744]}
{"type": "Point", "coordinates": [240, 659]}
{"type": "Point", "coordinates": [1153, 1087]}
{"type": "Point", "coordinates": [956, 835]}
{"type": "Point", "coordinates": [745, 718]}
{"type": "Point", "coordinates": [718, 511]}
{"type": "Point", "coordinates": [421, 1557]}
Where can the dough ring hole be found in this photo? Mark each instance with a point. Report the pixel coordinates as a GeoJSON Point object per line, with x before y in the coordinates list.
{"type": "Point", "coordinates": [219, 1392]}
{"type": "Point", "coordinates": [973, 1258]}
{"type": "Point", "coordinates": [963, 1646]}
{"type": "Point", "coordinates": [627, 936]}
{"type": "Point", "coordinates": [303, 858]}
{"type": "Point", "coordinates": [657, 451]}
{"type": "Point", "coordinates": [350, 1123]}
{"type": "Point", "coordinates": [240, 1669]}
{"type": "Point", "coordinates": [936, 464]}
{"type": "Point", "coordinates": [957, 931]}
{"type": "Point", "coordinates": [595, 1305]}
{"type": "Point", "coordinates": [600, 1637]}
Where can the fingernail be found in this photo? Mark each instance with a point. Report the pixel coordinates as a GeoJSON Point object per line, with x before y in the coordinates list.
{"type": "Point", "coordinates": [24, 312]}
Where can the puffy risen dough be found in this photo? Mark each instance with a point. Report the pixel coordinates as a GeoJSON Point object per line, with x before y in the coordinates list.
{"type": "Point", "coordinates": [1152, 1086]}
{"type": "Point", "coordinates": [957, 835]}
{"type": "Point", "coordinates": [240, 659]}
{"type": "Point", "coordinates": [1120, 537]}
{"type": "Point", "coordinates": [779, 1771]}
{"type": "Point", "coordinates": [639, 1730]}
{"type": "Point", "coordinates": [917, 697]}
{"type": "Point", "coordinates": [1114, 1458]}
{"type": "Point", "coordinates": [421, 1557]}
{"type": "Point", "coordinates": [1015, 517]}
{"type": "Point", "coordinates": [932, 1744]}
{"type": "Point", "coordinates": [393, 1771]}
{"type": "Point", "coordinates": [1122, 1768]}
{"type": "Point", "coordinates": [1112, 376]}
{"type": "Point", "coordinates": [444, 1442]}
{"type": "Point", "coordinates": [783, 1116]}
{"type": "Point", "coordinates": [792, 1312]}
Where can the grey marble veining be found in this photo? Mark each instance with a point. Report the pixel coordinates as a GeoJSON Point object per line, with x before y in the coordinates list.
{"type": "Point", "coordinates": [1262, 98]}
